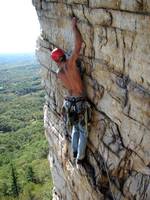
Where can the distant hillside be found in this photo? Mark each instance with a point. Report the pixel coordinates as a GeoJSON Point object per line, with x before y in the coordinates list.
{"type": "Point", "coordinates": [24, 169]}
{"type": "Point", "coordinates": [19, 73]}
{"type": "Point", "coordinates": [13, 60]}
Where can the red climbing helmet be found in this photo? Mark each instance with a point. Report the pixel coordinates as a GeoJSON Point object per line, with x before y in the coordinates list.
{"type": "Point", "coordinates": [56, 54]}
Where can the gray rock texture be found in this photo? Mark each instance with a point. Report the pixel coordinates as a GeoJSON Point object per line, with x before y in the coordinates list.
{"type": "Point", "coordinates": [116, 59]}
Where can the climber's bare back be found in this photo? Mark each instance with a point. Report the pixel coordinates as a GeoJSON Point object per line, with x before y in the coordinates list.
{"type": "Point", "coordinates": [70, 77]}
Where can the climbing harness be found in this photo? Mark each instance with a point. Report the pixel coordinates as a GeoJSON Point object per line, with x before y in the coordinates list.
{"type": "Point", "coordinates": [76, 110]}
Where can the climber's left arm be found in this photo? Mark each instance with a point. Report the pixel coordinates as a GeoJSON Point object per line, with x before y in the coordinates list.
{"type": "Point", "coordinates": [77, 40]}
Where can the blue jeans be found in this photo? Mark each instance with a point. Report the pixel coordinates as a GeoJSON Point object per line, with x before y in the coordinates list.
{"type": "Point", "coordinates": [79, 129]}
{"type": "Point", "coordinates": [79, 140]}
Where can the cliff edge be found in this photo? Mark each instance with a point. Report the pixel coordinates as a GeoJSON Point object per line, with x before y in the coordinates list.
{"type": "Point", "coordinates": [116, 59]}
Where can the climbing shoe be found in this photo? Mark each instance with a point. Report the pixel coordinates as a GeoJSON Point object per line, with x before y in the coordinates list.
{"type": "Point", "coordinates": [75, 154]}
{"type": "Point", "coordinates": [80, 161]}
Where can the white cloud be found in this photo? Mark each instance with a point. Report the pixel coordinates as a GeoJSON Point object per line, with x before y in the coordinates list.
{"type": "Point", "coordinates": [19, 27]}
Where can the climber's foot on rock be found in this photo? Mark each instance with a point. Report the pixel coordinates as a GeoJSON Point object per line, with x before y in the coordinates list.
{"type": "Point", "coordinates": [73, 160]}
{"type": "Point", "coordinates": [75, 154]}
{"type": "Point", "coordinates": [79, 163]}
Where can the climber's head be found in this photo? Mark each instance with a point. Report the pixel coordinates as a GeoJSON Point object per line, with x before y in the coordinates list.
{"type": "Point", "coordinates": [58, 55]}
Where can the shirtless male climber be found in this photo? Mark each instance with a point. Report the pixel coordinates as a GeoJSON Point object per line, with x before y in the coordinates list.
{"type": "Point", "coordinates": [75, 104]}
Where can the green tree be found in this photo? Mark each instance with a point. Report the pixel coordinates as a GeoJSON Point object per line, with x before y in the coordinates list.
{"type": "Point", "coordinates": [4, 190]}
{"type": "Point", "coordinates": [15, 187]}
{"type": "Point", "coordinates": [28, 192]}
{"type": "Point", "coordinates": [30, 175]}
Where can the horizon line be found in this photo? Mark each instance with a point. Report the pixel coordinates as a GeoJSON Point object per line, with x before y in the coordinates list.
{"type": "Point", "coordinates": [29, 52]}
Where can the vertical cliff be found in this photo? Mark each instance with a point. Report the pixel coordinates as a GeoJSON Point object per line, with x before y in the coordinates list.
{"type": "Point", "coordinates": [116, 59]}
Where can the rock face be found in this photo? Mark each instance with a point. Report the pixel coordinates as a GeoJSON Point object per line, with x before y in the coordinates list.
{"type": "Point", "coordinates": [116, 59]}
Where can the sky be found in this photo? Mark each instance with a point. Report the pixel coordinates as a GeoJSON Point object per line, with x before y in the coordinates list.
{"type": "Point", "coordinates": [19, 26]}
